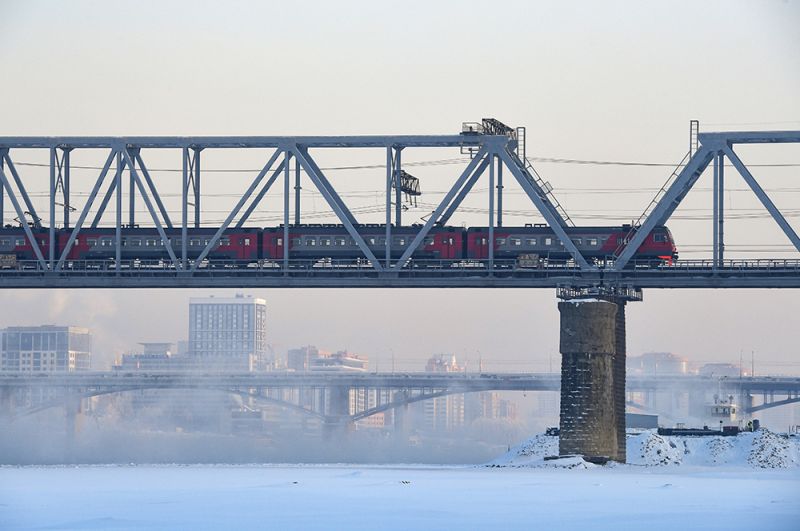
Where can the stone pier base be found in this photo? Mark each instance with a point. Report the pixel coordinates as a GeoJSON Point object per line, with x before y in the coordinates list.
{"type": "Point", "coordinates": [590, 400]}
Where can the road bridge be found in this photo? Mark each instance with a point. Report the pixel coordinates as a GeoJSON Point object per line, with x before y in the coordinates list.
{"type": "Point", "coordinates": [415, 386]}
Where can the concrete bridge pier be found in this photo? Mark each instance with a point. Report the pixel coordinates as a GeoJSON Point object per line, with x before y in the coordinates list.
{"type": "Point", "coordinates": [337, 420]}
{"type": "Point", "coordinates": [72, 409]}
{"type": "Point", "coordinates": [400, 414]}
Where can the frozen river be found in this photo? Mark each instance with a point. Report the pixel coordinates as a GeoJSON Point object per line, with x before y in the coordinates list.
{"type": "Point", "coordinates": [398, 497]}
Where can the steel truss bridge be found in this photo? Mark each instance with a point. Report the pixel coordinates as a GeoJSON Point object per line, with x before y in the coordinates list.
{"type": "Point", "coordinates": [493, 147]}
{"type": "Point", "coordinates": [404, 388]}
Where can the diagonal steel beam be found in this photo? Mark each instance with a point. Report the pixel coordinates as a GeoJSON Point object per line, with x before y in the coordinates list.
{"type": "Point", "coordinates": [146, 174]}
{"type": "Point", "coordinates": [667, 205]}
{"type": "Point", "coordinates": [13, 197]}
{"type": "Point", "coordinates": [544, 207]}
{"type": "Point", "coordinates": [333, 199]}
{"type": "Point", "coordinates": [86, 208]}
{"type": "Point", "coordinates": [261, 194]}
{"type": "Point", "coordinates": [463, 192]}
{"type": "Point", "coordinates": [106, 199]}
{"type": "Point", "coordinates": [520, 164]}
{"type": "Point", "coordinates": [149, 204]}
{"type": "Point", "coordinates": [22, 191]}
{"type": "Point", "coordinates": [401, 262]}
{"type": "Point", "coordinates": [237, 208]}
{"type": "Point", "coordinates": [330, 189]}
{"type": "Point", "coordinates": [763, 197]}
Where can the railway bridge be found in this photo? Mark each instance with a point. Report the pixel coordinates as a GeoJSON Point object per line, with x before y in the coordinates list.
{"type": "Point", "coordinates": [594, 289]}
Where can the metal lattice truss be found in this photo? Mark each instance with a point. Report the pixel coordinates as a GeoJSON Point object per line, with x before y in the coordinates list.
{"type": "Point", "coordinates": [713, 147]}
{"type": "Point", "coordinates": [493, 146]}
{"type": "Point", "coordinates": [493, 151]}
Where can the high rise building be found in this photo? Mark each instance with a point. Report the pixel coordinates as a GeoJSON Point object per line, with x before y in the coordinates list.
{"type": "Point", "coordinates": [46, 349]}
{"type": "Point", "coordinates": [228, 333]}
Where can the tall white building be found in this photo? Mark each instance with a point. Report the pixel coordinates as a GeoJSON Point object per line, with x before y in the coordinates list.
{"type": "Point", "coordinates": [228, 333]}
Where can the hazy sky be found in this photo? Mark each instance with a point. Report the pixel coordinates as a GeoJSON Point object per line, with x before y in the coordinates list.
{"type": "Point", "coordinates": [614, 81]}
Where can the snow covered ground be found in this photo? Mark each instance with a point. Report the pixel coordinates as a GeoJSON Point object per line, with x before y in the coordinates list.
{"type": "Point", "coordinates": [399, 497]}
{"type": "Point", "coordinates": [761, 449]}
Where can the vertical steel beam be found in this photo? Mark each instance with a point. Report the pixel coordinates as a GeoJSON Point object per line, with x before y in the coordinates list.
{"type": "Point", "coordinates": [146, 174]}
{"type": "Point", "coordinates": [52, 230]}
{"type": "Point", "coordinates": [297, 189]}
{"type": "Point", "coordinates": [492, 165]}
{"type": "Point", "coordinates": [87, 207]}
{"type": "Point", "coordinates": [340, 209]}
{"type": "Point", "coordinates": [763, 197]}
{"type": "Point", "coordinates": [149, 205]}
{"type": "Point", "coordinates": [65, 185]}
{"type": "Point", "coordinates": [236, 209]}
{"type": "Point", "coordinates": [721, 200]}
{"type": "Point", "coordinates": [499, 193]}
{"type": "Point", "coordinates": [131, 195]}
{"type": "Point", "coordinates": [388, 257]}
{"type": "Point", "coordinates": [31, 238]}
{"type": "Point", "coordinates": [118, 225]}
{"type": "Point", "coordinates": [715, 216]}
{"type": "Point", "coordinates": [286, 159]}
{"type": "Point", "coordinates": [196, 182]}
{"type": "Point", "coordinates": [184, 207]}
{"type": "Point", "coordinates": [401, 262]}
{"type": "Point", "coordinates": [398, 193]}
{"type": "Point", "coordinates": [22, 191]}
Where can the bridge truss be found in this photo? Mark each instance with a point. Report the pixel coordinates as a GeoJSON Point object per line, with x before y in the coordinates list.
{"type": "Point", "coordinates": [493, 147]}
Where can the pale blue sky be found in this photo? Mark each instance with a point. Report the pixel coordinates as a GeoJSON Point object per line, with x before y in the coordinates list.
{"type": "Point", "coordinates": [610, 81]}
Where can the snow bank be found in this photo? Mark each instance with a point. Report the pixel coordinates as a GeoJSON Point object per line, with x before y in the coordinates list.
{"type": "Point", "coordinates": [762, 449]}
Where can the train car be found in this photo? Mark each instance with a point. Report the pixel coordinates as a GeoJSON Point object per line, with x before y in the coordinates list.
{"type": "Point", "coordinates": [595, 243]}
{"type": "Point", "coordinates": [15, 246]}
{"type": "Point", "coordinates": [322, 242]}
{"type": "Point", "coordinates": [146, 244]}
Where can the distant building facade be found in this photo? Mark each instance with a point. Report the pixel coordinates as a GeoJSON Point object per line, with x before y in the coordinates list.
{"type": "Point", "coordinates": [657, 364]}
{"type": "Point", "coordinates": [310, 358]}
{"type": "Point", "coordinates": [46, 348]}
{"type": "Point", "coordinates": [229, 333]}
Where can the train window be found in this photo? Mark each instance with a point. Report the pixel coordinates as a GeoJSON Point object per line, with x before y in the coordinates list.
{"type": "Point", "coordinates": [246, 241]}
{"type": "Point", "coordinates": [447, 241]}
{"type": "Point", "coordinates": [531, 241]}
{"type": "Point", "coordinates": [340, 241]}
{"type": "Point", "coordinates": [398, 240]}
{"type": "Point", "coordinates": [660, 238]}
{"type": "Point", "coordinates": [310, 241]}
{"type": "Point", "coordinates": [325, 242]}
{"type": "Point", "coordinates": [151, 242]}
{"type": "Point", "coordinates": [427, 241]}
{"type": "Point", "coordinates": [224, 242]}
{"type": "Point", "coordinates": [577, 241]}
{"type": "Point", "coordinates": [192, 241]}
{"type": "Point", "coordinates": [500, 241]}
{"type": "Point", "coordinates": [134, 242]}
{"type": "Point", "coordinates": [295, 242]}
{"type": "Point", "coordinates": [371, 240]}
{"type": "Point", "coordinates": [382, 241]}
{"type": "Point", "coordinates": [278, 241]}
{"type": "Point", "coordinates": [106, 242]}
{"type": "Point", "coordinates": [548, 241]}
{"type": "Point", "coordinates": [91, 242]}
{"type": "Point", "coordinates": [5, 242]}
{"type": "Point", "coordinates": [591, 241]}
{"type": "Point", "coordinates": [515, 241]}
